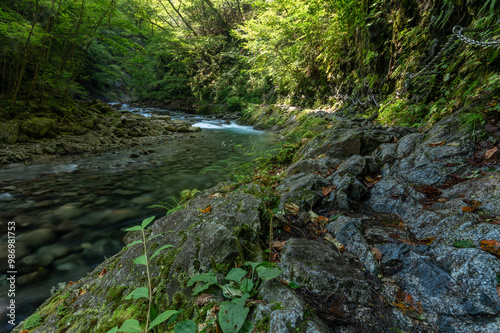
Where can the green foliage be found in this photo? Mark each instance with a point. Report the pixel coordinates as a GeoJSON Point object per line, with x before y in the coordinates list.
{"type": "Point", "coordinates": [242, 284]}
{"type": "Point", "coordinates": [133, 325]}
{"type": "Point", "coordinates": [33, 321]}
{"type": "Point", "coordinates": [174, 204]}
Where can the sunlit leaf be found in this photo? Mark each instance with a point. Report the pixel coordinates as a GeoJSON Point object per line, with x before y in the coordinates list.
{"type": "Point", "coordinates": [147, 221]}
{"type": "Point", "coordinates": [236, 274]}
{"type": "Point", "coordinates": [162, 317]}
{"type": "Point", "coordinates": [186, 326]}
{"type": "Point", "coordinates": [141, 292]}
{"type": "Point", "coordinates": [141, 260]}
{"type": "Point", "coordinates": [131, 326]}
{"type": "Point", "coordinates": [160, 249]}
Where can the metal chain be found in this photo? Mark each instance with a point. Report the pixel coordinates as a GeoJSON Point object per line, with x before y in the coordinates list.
{"type": "Point", "coordinates": [457, 32]}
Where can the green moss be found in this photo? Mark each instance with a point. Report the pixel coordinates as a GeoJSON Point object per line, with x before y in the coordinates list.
{"type": "Point", "coordinates": [33, 321]}
{"type": "Point", "coordinates": [115, 293]}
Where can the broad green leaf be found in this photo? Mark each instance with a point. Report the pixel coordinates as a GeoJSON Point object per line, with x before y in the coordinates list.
{"type": "Point", "coordinates": [141, 260]}
{"type": "Point", "coordinates": [230, 291]}
{"type": "Point", "coordinates": [266, 273]}
{"type": "Point", "coordinates": [209, 277]}
{"type": "Point", "coordinates": [162, 317]}
{"type": "Point", "coordinates": [134, 228]}
{"type": "Point", "coordinates": [186, 326]}
{"type": "Point", "coordinates": [232, 315]}
{"type": "Point", "coordinates": [247, 327]}
{"type": "Point", "coordinates": [293, 285]}
{"type": "Point", "coordinates": [139, 241]}
{"type": "Point", "coordinates": [151, 237]}
{"type": "Point", "coordinates": [141, 292]}
{"type": "Point", "coordinates": [131, 326]}
{"type": "Point", "coordinates": [154, 311]}
{"type": "Point", "coordinates": [252, 264]}
{"type": "Point", "coordinates": [157, 252]}
{"type": "Point", "coordinates": [113, 330]}
{"type": "Point", "coordinates": [464, 243]}
{"type": "Point", "coordinates": [246, 285]}
{"type": "Point", "coordinates": [147, 221]}
{"type": "Point", "coordinates": [236, 274]}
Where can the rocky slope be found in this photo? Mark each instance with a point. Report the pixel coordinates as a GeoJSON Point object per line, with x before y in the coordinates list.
{"type": "Point", "coordinates": [96, 128]}
{"type": "Point", "coordinates": [383, 229]}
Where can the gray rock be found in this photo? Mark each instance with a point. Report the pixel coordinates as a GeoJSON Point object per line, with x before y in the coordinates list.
{"type": "Point", "coordinates": [302, 189]}
{"type": "Point", "coordinates": [69, 211]}
{"type": "Point", "coordinates": [355, 165]}
{"type": "Point", "coordinates": [338, 143]}
{"type": "Point", "coordinates": [36, 238]}
{"type": "Point", "coordinates": [333, 274]}
{"type": "Point", "coordinates": [321, 165]}
{"type": "Point", "coordinates": [348, 231]}
{"type": "Point", "coordinates": [72, 148]}
{"type": "Point", "coordinates": [407, 144]}
{"type": "Point", "coordinates": [447, 281]}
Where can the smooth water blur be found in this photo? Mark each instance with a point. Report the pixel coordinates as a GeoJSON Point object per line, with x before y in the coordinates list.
{"type": "Point", "coordinates": [81, 205]}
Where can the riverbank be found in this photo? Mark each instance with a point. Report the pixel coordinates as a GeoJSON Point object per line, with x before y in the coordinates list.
{"type": "Point", "coordinates": [380, 228]}
{"type": "Point", "coordinates": [97, 128]}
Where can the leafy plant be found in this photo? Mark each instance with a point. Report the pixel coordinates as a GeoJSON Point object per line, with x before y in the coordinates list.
{"type": "Point", "coordinates": [133, 325]}
{"type": "Point", "coordinates": [174, 204]}
{"type": "Point", "coordinates": [241, 285]}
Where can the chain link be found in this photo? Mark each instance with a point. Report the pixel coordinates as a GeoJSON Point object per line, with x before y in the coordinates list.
{"type": "Point", "coordinates": [457, 31]}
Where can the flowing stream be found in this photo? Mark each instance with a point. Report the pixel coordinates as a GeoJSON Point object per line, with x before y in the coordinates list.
{"type": "Point", "coordinates": [70, 214]}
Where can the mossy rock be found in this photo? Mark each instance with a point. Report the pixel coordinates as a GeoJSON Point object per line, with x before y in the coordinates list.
{"type": "Point", "coordinates": [38, 127]}
{"type": "Point", "coordinates": [9, 132]}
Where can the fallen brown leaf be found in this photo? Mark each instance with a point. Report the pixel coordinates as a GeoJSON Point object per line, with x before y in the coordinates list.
{"type": "Point", "coordinates": [490, 152]}
{"type": "Point", "coordinates": [278, 245]}
{"type": "Point", "coordinates": [203, 299]}
{"type": "Point", "coordinates": [104, 271]}
{"type": "Point", "coordinates": [327, 190]}
{"type": "Point", "coordinates": [206, 210]}
{"type": "Point", "coordinates": [435, 144]}
{"type": "Point", "coordinates": [292, 208]}
{"type": "Point", "coordinates": [286, 227]}
{"type": "Point", "coordinates": [376, 252]}
{"type": "Point", "coordinates": [492, 246]}
{"type": "Point", "coordinates": [340, 247]}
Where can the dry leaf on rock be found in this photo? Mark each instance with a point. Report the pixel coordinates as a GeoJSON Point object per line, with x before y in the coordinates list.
{"type": "Point", "coordinates": [203, 299]}
{"type": "Point", "coordinates": [376, 252]}
{"type": "Point", "coordinates": [490, 152]}
{"type": "Point", "coordinates": [327, 190]}
{"type": "Point", "coordinates": [217, 195]}
{"type": "Point", "coordinates": [435, 144]}
{"type": "Point", "coordinates": [340, 247]}
{"type": "Point", "coordinates": [453, 144]}
{"type": "Point", "coordinates": [104, 271]}
{"type": "Point", "coordinates": [292, 208]}
{"type": "Point", "coordinates": [206, 210]}
{"type": "Point", "coordinates": [278, 245]}
{"type": "Point", "coordinates": [492, 246]}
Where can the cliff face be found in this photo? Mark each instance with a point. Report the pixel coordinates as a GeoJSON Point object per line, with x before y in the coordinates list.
{"type": "Point", "coordinates": [381, 228]}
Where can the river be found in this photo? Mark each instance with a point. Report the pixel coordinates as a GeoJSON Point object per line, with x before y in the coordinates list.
{"type": "Point", "coordinates": [70, 214]}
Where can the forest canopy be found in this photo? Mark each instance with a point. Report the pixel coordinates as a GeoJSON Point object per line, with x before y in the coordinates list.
{"type": "Point", "coordinates": [311, 53]}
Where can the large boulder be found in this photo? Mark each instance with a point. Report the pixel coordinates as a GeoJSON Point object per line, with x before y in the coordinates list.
{"type": "Point", "coordinates": [38, 127]}
{"type": "Point", "coordinates": [9, 132]}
